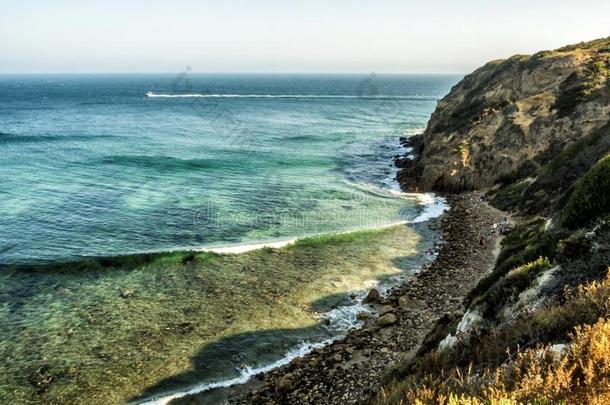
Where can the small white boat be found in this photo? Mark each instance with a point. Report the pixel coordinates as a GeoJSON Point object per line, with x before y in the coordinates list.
{"type": "Point", "coordinates": [150, 94]}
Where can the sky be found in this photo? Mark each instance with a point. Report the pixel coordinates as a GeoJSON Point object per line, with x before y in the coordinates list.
{"type": "Point", "coordinates": [383, 36]}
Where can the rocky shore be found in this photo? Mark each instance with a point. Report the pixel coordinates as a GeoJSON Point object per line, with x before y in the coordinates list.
{"type": "Point", "coordinates": [349, 370]}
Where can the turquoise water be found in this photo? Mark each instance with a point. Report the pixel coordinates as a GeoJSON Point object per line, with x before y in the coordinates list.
{"type": "Point", "coordinates": [93, 167]}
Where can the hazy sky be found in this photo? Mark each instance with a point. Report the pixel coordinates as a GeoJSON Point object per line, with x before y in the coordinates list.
{"type": "Point", "coordinates": [285, 36]}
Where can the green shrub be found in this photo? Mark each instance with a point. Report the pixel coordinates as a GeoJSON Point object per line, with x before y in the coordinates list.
{"type": "Point", "coordinates": [510, 286]}
{"type": "Point", "coordinates": [590, 198]}
{"type": "Point", "coordinates": [575, 246]}
{"type": "Point", "coordinates": [509, 196]}
{"type": "Point", "coordinates": [525, 243]}
{"type": "Point", "coordinates": [505, 364]}
{"type": "Point", "coordinates": [530, 270]}
{"type": "Point", "coordinates": [580, 87]}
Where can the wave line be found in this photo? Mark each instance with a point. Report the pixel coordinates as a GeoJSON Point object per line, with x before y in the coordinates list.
{"type": "Point", "coordinates": [292, 96]}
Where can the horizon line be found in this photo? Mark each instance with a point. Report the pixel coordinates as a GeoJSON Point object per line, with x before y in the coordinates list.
{"type": "Point", "coordinates": [233, 73]}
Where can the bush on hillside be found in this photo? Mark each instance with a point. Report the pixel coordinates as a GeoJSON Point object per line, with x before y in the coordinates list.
{"type": "Point", "coordinates": [494, 367]}
{"type": "Point", "coordinates": [574, 247]}
{"type": "Point", "coordinates": [525, 243]}
{"type": "Point", "coordinates": [510, 286]}
{"type": "Point", "coordinates": [590, 198]}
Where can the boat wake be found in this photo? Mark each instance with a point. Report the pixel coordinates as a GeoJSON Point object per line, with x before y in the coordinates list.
{"type": "Point", "coordinates": [291, 96]}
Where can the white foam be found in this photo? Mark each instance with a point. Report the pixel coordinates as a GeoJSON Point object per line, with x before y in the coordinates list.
{"type": "Point", "coordinates": [431, 211]}
{"type": "Point", "coordinates": [301, 96]}
{"type": "Point", "coordinates": [434, 207]}
{"type": "Point", "coordinates": [344, 318]}
{"type": "Point", "coordinates": [341, 319]}
{"type": "Point", "coordinates": [236, 249]}
{"type": "Point", "coordinates": [413, 131]}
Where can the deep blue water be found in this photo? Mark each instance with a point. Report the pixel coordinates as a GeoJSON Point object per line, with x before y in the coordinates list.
{"type": "Point", "coordinates": [91, 166]}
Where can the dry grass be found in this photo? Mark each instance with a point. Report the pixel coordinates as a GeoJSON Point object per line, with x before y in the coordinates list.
{"type": "Point", "coordinates": [538, 375]}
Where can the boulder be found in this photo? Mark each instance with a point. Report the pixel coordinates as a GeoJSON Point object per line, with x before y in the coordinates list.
{"type": "Point", "coordinates": [387, 320]}
{"type": "Point", "coordinates": [284, 383]}
{"type": "Point", "coordinates": [372, 297]}
{"type": "Point", "coordinates": [386, 309]}
{"type": "Point", "coordinates": [127, 293]}
{"type": "Point", "coordinates": [363, 316]}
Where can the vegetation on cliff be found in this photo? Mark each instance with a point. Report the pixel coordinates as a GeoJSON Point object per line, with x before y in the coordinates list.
{"type": "Point", "coordinates": [591, 196]}
{"type": "Point", "coordinates": [511, 117]}
{"type": "Point", "coordinates": [536, 329]}
{"type": "Point", "coordinates": [541, 375]}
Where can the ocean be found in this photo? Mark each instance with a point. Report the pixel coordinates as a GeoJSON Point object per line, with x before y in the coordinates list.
{"type": "Point", "coordinates": [118, 192]}
{"type": "Point", "coordinates": [93, 167]}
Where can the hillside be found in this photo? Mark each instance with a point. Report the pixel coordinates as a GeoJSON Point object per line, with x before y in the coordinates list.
{"type": "Point", "coordinates": [513, 314]}
{"type": "Point", "coordinates": [512, 116]}
{"type": "Point", "coordinates": [533, 133]}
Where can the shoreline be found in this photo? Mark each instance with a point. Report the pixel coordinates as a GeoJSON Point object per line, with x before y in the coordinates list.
{"type": "Point", "coordinates": [206, 314]}
{"type": "Point", "coordinates": [434, 208]}
{"type": "Point", "coordinates": [348, 369]}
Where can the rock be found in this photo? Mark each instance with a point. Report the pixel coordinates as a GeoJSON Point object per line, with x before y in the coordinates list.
{"type": "Point", "coordinates": [349, 350]}
{"type": "Point", "coordinates": [372, 297]}
{"type": "Point", "coordinates": [407, 303]}
{"type": "Point", "coordinates": [284, 383]}
{"type": "Point", "coordinates": [497, 119]}
{"type": "Point", "coordinates": [337, 357]}
{"type": "Point", "coordinates": [387, 320]}
{"type": "Point", "coordinates": [359, 357]}
{"type": "Point", "coordinates": [186, 327]}
{"type": "Point", "coordinates": [127, 293]}
{"type": "Point", "coordinates": [363, 316]}
{"type": "Point", "coordinates": [386, 309]}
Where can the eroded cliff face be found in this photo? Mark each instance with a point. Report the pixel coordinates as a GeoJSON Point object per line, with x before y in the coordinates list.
{"type": "Point", "coordinates": [511, 116]}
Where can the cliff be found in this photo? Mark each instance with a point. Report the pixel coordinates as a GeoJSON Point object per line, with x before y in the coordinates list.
{"type": "Point", "coordinates": [511, 116]}
{"type": "Point", "coordinates": [534, 134]}
{"type": "Point", "coordinates": [512, 310]}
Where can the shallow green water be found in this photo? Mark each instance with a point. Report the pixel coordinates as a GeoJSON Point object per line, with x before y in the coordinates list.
{"type": "Point", "coordinates": [120, 329]}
